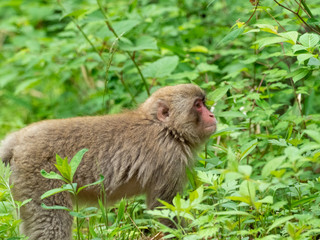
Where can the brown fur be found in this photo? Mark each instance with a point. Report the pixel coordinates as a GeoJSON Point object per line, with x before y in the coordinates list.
{"type": "Point", "coordinates": [141, 151]}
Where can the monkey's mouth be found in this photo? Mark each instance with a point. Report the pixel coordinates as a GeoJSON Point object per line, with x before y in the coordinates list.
{"type": "Point", "coordinates": [210, 129]}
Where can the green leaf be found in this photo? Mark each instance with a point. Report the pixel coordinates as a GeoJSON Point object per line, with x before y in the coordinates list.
{"type": "Point", "coordinates": [271, 166]}
{"type": "Point", "coordinates": [205, 67]}
{"type": "Point", "coordinates": [267, 199]}
{"type": "Point", "coordinates": [75, 161]}
{"type": "Point", "coordinates": [231, 213]}
{"type": "Point", "coordinates": [66, 187]}
{"type": "Point", "coordinates": [245, 169]}
{"type": "Point", "coordinates": [314, 62]}
{"type": "Point", "coordinates": [231, 36]}
{"type": "Point", "coordinates": [245, 199]}
{"type": "Point", "coordinates": [51, 175]}
{"type": "Point", "coordinates": [121, 210]}
{"type": "Point", "coordinates": [309, 40]}
{"type": "Point", "coordinates": [279, 221]}
{"type": "Point", "coordinates": [125, 26]}
{"type": "Point", "coordinates": [292, 35]}
{"type": "Point", "coordinates": [76, 13]}
{"type": "Point", "coordinates": [269, 41]}
{"type": "Point", "coordinates": [298, 74]}
{"type": "Point", "coordinates": [247, 189]}
{"type": "Point", "coordinates": [91, 184]}
{"type": "Point", "coordinates": [56, 207]}
{"type": "Point", "coordinates": [161, 68]}
{"type": "Point", "coordinates": [142, 43]}
{"type": "Point", "coordinates": [217, 94]}
{"type": "Point", "coordinates": [253, 144]}
{"type": "Point", "coordinates": [315, 135]}
{"type": "Point", "coordinates": [303, 57]}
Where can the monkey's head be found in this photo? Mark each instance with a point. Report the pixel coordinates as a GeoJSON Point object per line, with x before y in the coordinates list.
{"type": "Point", "coordinates": [181, 110]}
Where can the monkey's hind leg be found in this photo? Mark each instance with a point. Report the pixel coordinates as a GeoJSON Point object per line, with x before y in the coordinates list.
{"type": "Point", "coordinates": [39, 223]}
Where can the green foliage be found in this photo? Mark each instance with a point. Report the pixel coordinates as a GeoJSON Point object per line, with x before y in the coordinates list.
{"type": "Point", "coordinates": [258, 177]}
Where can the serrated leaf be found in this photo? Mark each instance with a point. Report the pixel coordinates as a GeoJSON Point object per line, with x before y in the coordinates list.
{"type": "Point", "coordinates": [161, 68]}
{"type": "Point", "coordinates": [217, 94]}
{"type": "Point", "coordinates": [279, 221]}
{"type": "Point", "coordinates": [309, 40]}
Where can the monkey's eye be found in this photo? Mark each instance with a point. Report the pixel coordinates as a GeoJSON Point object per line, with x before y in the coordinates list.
{"type": "Point", "coordinates": [198, 104]}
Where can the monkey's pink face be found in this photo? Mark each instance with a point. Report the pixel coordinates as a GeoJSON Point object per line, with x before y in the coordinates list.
{"type": "Point", "coordinates": [207, 119]}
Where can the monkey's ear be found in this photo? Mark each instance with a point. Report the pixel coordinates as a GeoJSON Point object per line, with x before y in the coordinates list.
{"type": "Point", "coordinates": [162, 111]}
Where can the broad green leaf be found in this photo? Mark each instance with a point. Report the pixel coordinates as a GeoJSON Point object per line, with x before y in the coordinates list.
{"type": "Point", "coordinates": [298, 47]}
{"type": "Point", "coordinates": [51, 175]}
{"type": "Point", "coordinates": [124, 26]}
{"type": "Point", "coordinates": [161, 68]}
{"type": "Point", "coordinates": [298, 74]}
{"type": "Point", "coordinates": [231, 36]}
{"type": "Point", "coordinates": [248, 189]}
{"type": "Point", "coordinates": [314, 62]}
{"type": "Point", "coordinates": [279, 221]}
{"type": "Point", "coordinates": [217, 94]}
{"type": "Point", "coordinates": [76, 13]}
{"type": "Point", "coordinates": [315, 135]}
{"type": "Point", "coordinates": [269, 41]}
{"type": "Point", "coordinates": [268, 28]}
{"type": "Point", "coordinates": [245, 169]}
{"type": "Point", "coordinates": [27, 84]}
{"type": "Point", "coordinates": [303, 57]}
{"type": "Point", "coordinates": [267, 199]}
{"type": "Point", "coordinates": [309, 40]}
{"type": "Point", "coordinates": [271, 166]}
{"type": "Point", "coordinates": [204, 67]}
{"type": "Point", "coordinates": [75, 161]}
{"type": "Point", "coordinates": [142, 43]}
{"type": "Point", "coordinates": [292, 35]}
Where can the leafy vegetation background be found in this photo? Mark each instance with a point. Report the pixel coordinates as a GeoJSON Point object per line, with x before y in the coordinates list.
{"type": "Point", "coordinates": [258, 176]}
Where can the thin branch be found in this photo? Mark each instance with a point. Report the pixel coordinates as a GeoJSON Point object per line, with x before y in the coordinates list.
{"type": "Point", "coordinates": [254, 11]}
{"type": "Point", "coordinates": [129, 54]}
{"type": "Point", "coordinates": [301, 19]}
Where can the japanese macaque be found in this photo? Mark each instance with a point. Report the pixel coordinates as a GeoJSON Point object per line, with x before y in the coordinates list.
{"type": "Point", "coordinates": [144, 151]}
